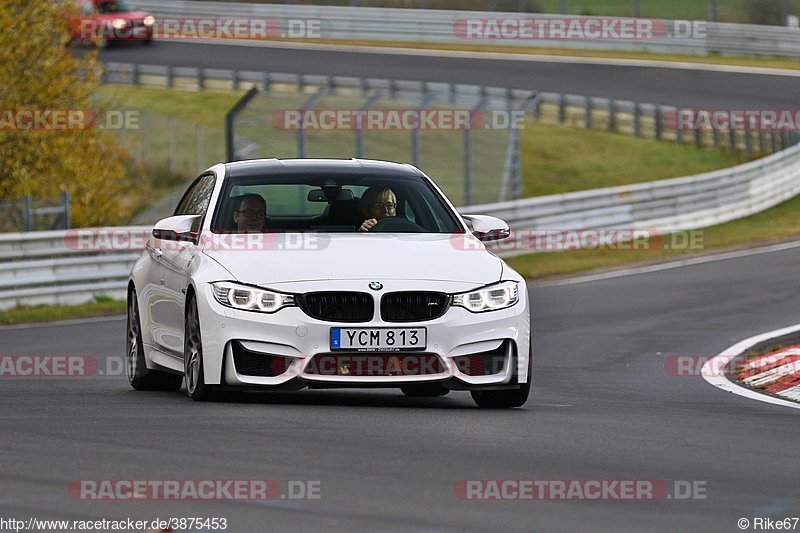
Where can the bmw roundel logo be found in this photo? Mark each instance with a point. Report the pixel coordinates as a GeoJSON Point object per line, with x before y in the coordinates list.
{"type": "Point", "coordinates": [375, 285]}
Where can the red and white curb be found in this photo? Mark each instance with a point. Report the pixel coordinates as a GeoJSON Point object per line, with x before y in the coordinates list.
{"type": "Point", "coordinates": [778, 373]}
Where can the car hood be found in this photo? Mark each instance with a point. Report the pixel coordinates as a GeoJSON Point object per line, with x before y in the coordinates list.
{"type": "Point", "coordinates": [306, 257]}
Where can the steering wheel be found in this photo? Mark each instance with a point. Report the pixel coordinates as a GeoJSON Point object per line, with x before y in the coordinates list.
{"type": "Point", "coordinates": [397, 224]}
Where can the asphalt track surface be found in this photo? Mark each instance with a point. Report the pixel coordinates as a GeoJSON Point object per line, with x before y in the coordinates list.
{"type": "Point", "coordinates": [680, 87]}
{"type": "Point", "coordinates": [602, 407]}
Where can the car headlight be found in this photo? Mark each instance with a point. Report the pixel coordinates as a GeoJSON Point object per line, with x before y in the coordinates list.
{"type": "Point", "coordinates": [119, 24]}
{"type": "Point", "coordinates": [149, 20]}
{"type": "Point", "coordinates": [250, 298]}
{"type": "Point", "coordinates": [490, 298]}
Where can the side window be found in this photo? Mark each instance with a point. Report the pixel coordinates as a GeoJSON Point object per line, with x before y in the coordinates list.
{"type": "Point", "coordinates": [197, 198]}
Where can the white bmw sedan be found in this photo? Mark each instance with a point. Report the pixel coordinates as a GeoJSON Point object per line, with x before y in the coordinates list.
{"type": "Point", "coordinates": [286, 274]}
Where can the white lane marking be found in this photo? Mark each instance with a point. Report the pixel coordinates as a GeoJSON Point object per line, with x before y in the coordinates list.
{"type": "Point", "coordinates": [63, 322]}
{"type": "Point", "coordinates": [501, 56]}
{"type": "Point", "coordinates": [722, 360]}
{"type": "Point", "coordinates": [669, 265]}
{"type": "Point", "coordinates": [792, 394]}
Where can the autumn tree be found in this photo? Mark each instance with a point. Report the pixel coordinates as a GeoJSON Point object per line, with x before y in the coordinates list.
{"type": "Point", "coordinates": [40, 71]}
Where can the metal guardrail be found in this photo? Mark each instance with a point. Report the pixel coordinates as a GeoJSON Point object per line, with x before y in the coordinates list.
{"type": "Point", "coordinates": [52, 267]}
{"type": "Point", "coordinates": [49, 268]}
{"type": "Point", "coordinates": [437, 26]}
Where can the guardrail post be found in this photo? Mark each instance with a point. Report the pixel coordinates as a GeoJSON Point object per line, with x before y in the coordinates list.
{"type": "Point", "coordinates": [201, 78]}
{"type": "Point", "coordinates": [516, 171]}
{"type": "Point", "coordinates": [612, 114]}
{"type": "Point", "coordinates": [135, 74]}
{"type": "Point", "coordinates": [266, 80]}
{"type": "Point", "coordinates": [774, 141]}
{"type": "Point", "coordinates": [715, 136]}
{"type": "Point", "coordinates": [199, 146]}
{"type": "Point", "coordinates": [761, 144]}
{"type": "Point", "coordinates": [65, 202]}
{"type": "Point", "coordinates": [698, 137]}
{"type": "Point", "coordinates": [171, 143]}
{"type": "Point", "coordinates": [637, 119]}
{"type": "Point", "coordinates": [748, 145]}
{"type": "Point", "coordinates": [468, 164]}
{"type": "Point", "coordinates": [235, 80]}
{"type": "Point", "coordinates": [170, 77]}
{"type": "Point", "coordinates": [587, 113]}
{"type": "Point", "coordinates": [369, 104]}
{"type": "Point", "coordinates": [562, 108]}
{"type": "Point", "coordinates": [144, 117]}
{"type": "Point", "coordinates": [732, 139]}
{"type": "Point", "coordinates": [712, 10]}
{"type": "Point", "coordinates": [27, 213]}
{"type": "Point", "coordinates": [659, 115]}
{"type": "Point", "coordinates": [537, 110]}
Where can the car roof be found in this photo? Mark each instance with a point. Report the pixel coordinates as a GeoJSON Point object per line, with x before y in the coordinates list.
{"type": "Point", "coordinates": [327, 167]}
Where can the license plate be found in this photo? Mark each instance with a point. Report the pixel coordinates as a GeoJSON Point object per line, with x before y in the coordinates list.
{"type": "Point", "coordinates": [378, 339]}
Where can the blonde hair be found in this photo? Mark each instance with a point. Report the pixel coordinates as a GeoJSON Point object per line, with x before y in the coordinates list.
{"type": "Point", "coordinates": [372, 195]}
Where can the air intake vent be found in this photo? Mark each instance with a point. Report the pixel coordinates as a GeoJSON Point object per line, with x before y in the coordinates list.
{"type": "Point", "coordinates": [339, 306]}
{"type": "Point", "coordinates": [413, 306]}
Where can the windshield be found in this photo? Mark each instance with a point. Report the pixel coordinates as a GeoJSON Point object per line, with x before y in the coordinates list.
{"type": "Point", "coordinates": [332, 204]}
{"type": "Point", "coordinates": [112, 6]}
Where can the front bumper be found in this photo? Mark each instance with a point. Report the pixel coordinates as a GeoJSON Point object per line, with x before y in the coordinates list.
{"type": "Point", "coordinates": [300, 342]}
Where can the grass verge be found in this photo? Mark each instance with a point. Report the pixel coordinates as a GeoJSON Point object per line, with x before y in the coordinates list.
{"type": "Point", "coordinates": [100, 306]}
{"type": "Point", "coordinates": [555, 158]}
{"type": "Point", "coordinates": [781, 223]}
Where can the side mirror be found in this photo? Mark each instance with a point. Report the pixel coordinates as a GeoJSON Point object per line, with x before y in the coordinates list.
{"type": "Point", "coordinates": [178, 228]}
{"type": "Point", "coordinates": [487, 228]}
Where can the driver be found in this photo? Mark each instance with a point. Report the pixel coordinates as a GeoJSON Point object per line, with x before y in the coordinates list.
{"type": "Point", "coordinates": [375, 204]}
{"type": "Point", "coordinates": [251, 213]}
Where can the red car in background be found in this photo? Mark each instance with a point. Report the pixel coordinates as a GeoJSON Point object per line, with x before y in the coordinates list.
{"type": "Point", "coordinates": [105, 21]}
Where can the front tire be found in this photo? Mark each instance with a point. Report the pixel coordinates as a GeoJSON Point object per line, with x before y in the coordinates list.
{"type": "Point", "coordinates": [196, 386]}
{"type": "Point", "coordinates": [504, 399]}
{"type": "Point", "coordinates": [139, 376]}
